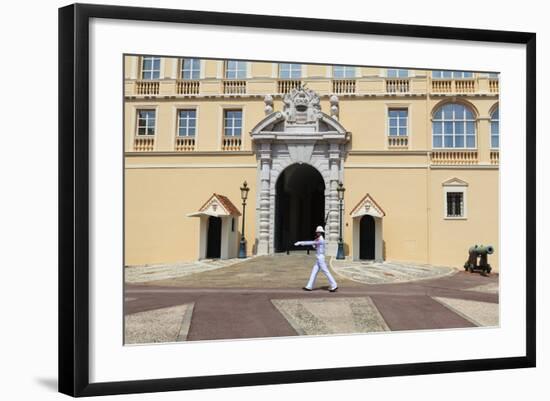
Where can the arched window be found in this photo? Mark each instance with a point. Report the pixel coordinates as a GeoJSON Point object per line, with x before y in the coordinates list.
{"type": "Point", "coordinates": [454, 126]}
{"type": "Point", "coordinates": [495, 133]}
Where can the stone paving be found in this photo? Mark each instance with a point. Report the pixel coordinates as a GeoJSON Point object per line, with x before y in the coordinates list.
{"type": "Point", "coordinates": [331, 316]}
{"type": "Point", "coordinates": [146, 273]}
{"type": "Point", "coordinates": [484, 314]}
{"type": "Point", "coordinates": [491, 288]}
{"type": "Point", "coordinates": [388, 272]}
{"type": "Point", "coordinates": [262, 297]}
{"type": "Point", "coordinates": [159, 325]}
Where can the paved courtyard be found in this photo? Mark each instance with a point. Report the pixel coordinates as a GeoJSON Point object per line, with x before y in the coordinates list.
{"type": "Point", "coordinates": [262, 297]}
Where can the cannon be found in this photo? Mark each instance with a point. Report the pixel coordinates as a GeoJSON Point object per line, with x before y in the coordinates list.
{"type": "Point", "coordinates": [478, 253]}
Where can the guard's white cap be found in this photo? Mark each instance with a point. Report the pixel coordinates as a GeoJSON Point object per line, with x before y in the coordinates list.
{"type": "Point", "coordinates": [319, 229]}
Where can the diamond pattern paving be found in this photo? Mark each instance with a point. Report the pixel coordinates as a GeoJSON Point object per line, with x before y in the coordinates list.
{"type": "Point", "coordinates": [331, 316]}
{"type": "Point", "coordinates": [159, 325]}
{"type": "Point", "coordinates": [479, 313]}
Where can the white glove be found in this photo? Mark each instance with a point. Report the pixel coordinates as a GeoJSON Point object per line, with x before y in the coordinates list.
{"type": "Point", "coordinates": [297, 243]}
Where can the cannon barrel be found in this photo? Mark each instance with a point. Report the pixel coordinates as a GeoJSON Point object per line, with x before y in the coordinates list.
{"type": "Point", "coordinates": [481, 250]}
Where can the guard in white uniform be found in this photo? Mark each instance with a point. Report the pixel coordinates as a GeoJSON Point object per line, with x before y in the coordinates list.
{"type": "Point", "coordinates": [319, 245]}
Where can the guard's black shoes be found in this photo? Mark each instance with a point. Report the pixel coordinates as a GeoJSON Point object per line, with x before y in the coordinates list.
{"type": "Point", "coordinates": [333, 289]}
{"type": "Point", "coordinates": [306, 289]}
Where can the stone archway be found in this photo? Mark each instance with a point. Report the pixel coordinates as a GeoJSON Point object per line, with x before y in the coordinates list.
{"type": "Point", "coordinates": [300, 134]}
{"type": "Point", "coordinates": [299, 205]}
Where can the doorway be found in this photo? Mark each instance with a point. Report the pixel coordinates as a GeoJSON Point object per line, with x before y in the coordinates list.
{"type": "Point", "coordinates": [214, 238]}
{"type": "Point", "coordinates": [299, 205]}
{"type": "Point", "coordinates": [367, 237]}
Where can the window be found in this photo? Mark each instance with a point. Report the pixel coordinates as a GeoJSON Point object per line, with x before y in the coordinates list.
{"type": "Point", "coordinates": [455, 199]}
{"type": "Point", "coordinates": [452, 74]}
{"type": "Point", "coordinates": [397, 73]}
{"type": "Point", "coordinates": [235, 69]}
{"type": "Point", "coordinates": [232, 122]}
{"type": "Point", "coordinates": [191, 68]}
{"type": "Point", "coordinates": [493, 75]}
{"type": "Point", "coordinates": [150, 68]}
{"type": "Point", "coordinates": [233, 224]}
{"type": "Point", "coordinates": [454, 126]}
{"type": "Point", "coordinates": [397, 122]}
{"type": "Point", "coordinates": [146, 122]}
{"type": "Point", "coordinates": [495, 134]}
{"type": "Point", "coordinates": [455, 204]}
{"type": "Point", "coordinates": [187, 122]}
{"type": "Point", "coordinates": [342, 71]}
{"type": "Point", "coordinates": [290, 70]}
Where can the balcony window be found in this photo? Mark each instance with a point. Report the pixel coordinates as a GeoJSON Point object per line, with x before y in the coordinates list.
{"type": "Point", "coordinates": [232, 122]}
{"type": "Point", "coordinates": [342, 71]}
{"type": "Point", "coordinates": [187, 123]}
{"type": "Point", "coordinates": [235, 69]}
{"type": "Point", "coordinates": [495, 132]}
{"type": "Point", "coordinates": [191, 68]}
{"type": "Point", "coordinates": [146, 122]}
{"type": "Point", "coordinates": [393, 73]}
{"type": "Point", "coordinates": [397, 122]}
{"type": "Point", "coordinates": [290, 71]}
{"type": "Point", "coordinates": [454, 126]}
{"type": "Point", "coordinates": [150, 68]}
{"type": "Point", "coordinates": [452, 74]}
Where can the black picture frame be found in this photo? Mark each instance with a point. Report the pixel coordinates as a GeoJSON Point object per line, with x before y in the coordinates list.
{"type": "Point", "coordinates": [74, 194]}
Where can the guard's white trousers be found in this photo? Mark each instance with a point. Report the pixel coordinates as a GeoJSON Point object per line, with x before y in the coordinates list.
{"type": "Point", "coordinates": [320, 264]}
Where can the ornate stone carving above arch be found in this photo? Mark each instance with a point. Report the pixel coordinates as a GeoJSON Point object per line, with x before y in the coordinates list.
{"type": "Point", "coordinates": [300, 133]}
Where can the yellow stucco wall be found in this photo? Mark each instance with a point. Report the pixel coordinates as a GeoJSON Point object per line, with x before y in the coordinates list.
{"type": "Point", "coordinates": [163, 186]}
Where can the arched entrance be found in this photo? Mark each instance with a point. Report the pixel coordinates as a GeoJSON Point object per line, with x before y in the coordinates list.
{"type": "Point", "coordinates": [214, 237]}
{"type": "Point", "coordinates": [367, 238]}
{"type": "Point", "coordinates": [299, 205]}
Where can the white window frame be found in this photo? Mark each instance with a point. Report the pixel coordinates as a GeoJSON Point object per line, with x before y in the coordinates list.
{"type": "Point", "coordinates": [453, 74]}
{"type": "Point", "coordinates": [491, 121]}
{"type": "Point", "coordinates": [228, 109]}
{"type": "Point", "coordinates": [454, 122]}
{"type": "Point", "coordinates": [137, 135]}
{"type": "Point", "coordinates": [349, 72]}
{"type": "Point", "coordinates": [194, 62]}
{"type": "Point", "coordinates": [153, 58]}
{"type": "Point", "coordinates": [392, 108]}
{"type": "Point", "coordinates": [179, 110]}
{"type": "Point", "coordinates": [236, 71]}
{"type": "Point", "coordinates": [397, 73]}
{"type": "Point", "coordinates": [459, 186]}
{"type": "Point", "coordinates": [292, 67]}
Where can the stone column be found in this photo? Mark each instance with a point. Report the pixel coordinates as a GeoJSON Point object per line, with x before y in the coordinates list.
{"type": "Point", "coordinates": [264, 151]}
{"type": "Point", "coordinates": [333, 223]}
{"type": "Point", "coordinates": [484, 139]}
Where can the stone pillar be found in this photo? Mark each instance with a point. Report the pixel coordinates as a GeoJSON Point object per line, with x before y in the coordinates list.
{"type": "Point", "coordinates": [333, 223]}
{"type": "Point", "coordinates": [264, 151]}
{"type": "Point", "coordinates": [484, 139]}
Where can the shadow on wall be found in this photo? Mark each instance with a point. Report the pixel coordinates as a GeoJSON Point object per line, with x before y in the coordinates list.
{"type": "Point", "coordinates": [255, 247]}
{"type": "Point", "coordinates": [383, 250]}
{"type": "Point", "coordinates": [346, 249]}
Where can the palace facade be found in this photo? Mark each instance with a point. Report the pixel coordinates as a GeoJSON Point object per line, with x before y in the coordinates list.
{"type": "Point", "coordinates": [416, 151]}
